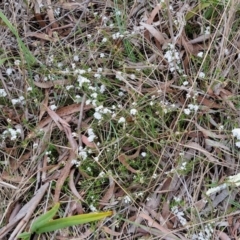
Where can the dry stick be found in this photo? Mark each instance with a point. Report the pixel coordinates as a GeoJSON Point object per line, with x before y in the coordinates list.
{"type": "Point", "coordinates": [80, 120]}
{"type": "Point", "coordinates": [79, 20]}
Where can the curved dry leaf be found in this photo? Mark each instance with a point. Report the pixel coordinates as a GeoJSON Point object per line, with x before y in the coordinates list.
{"type": "Point", "coordinates": [50, 84]}
{"type": "Point", "coordinates": [87, 143]}
{"type": "Point", "coordinates": [122, 159]}
{"type": "Point", "coordinates": [42, 36]}
{"type": "Point", "coordinates": [111, 232]}
{"type": "Point", "coordinates": [208, 133]}
{"type": "Point", "coordinates": [216, 144]}
{"type": "Point", "coordinates": [197, 147]}
{"type": "Point", "coordinates": [157, 35]}
{"type": "Point", "coordinates": [72, 186]}
{"type": "Point", "coordinates": [154, 224]}
{"type": "Point", "coordinates": [109, 193]}
{"type": "Point", "coordinates": [222, 235]}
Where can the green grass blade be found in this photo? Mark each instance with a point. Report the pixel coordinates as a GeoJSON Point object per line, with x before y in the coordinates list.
{"type": "Point", "coordinates": [45, 218]}
{"type": "Point", "coordinates": [71, 221]}
{"type": "Point", "coordinates": [27, 54]}
{"type": "Point", "coordinates": [24, 235]}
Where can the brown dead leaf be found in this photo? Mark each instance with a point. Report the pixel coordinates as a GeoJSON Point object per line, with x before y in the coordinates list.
{"type": "Point", "coordinates": [87, 143]}
{"type": "Point", "coordinates": [209, 103]}
{"type": "Point", "coordinates": [72, 186]}
{"type": "Point", "coordinates": [156, 34]}
{"type": "Point", "coordinates": [51, 14]}
{"type": "Point", "coordinates": [41, 36]}
{"type": "Point", "coordinates": [154, 224]}
{"type": "Point", "coordinates": [210, 157]}
{"type": "Point", "coordinates": [108, 194]}
{"type": "Point", "coordinates": [222, 235]}
{"type": "Point", "coordinates": [50, 84]}
{"type": "Point", "coordinates": [208, 133]}
{"type": "Point", "coordinates": [111, 232]}
{"type": "Point", "coordinates": [44, 102]}
{"type": "Point", "coordinates": [64, 111]}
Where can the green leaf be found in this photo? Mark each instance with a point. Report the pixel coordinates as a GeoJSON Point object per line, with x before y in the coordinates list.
{"type": "Point", "coordinates": [24, 235]}
{"type": "Point", "coordinates": [45, 218]}
{"type": "Point", "coordinates": [53, 225]}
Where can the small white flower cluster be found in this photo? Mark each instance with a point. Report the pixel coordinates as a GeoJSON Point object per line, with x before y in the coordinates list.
{"type": "Point", "coordinates": [20, 100]}
{"type": "Point", "coordinates": [100, 110]}
{"type": "Point", "coordinates": [82, 153]}
{"type": "Point", "coordinates": [173, 58]}
{"type": "Point", "coordinates": [117, 35]}
{"type": "Point", "coordinates": [75, 162]}
{"type": "Point", "coordinates": [11, 133]}
{"type": "Point", "coordinates": [179, 215]}
{"type": "Point", "coordinates": [183, 166]}
{"type": "Point", "coordinates": [9, 71]}
{"type": "Point", "coordinates": [127, 199]}
{"type": "Point", "coordinates": [205, 235]}
{"type": "Point", "coordinates": [91, 135]}
{"type": "Point", "coordinates": [2, 93]}
{"type": "Point", "coordinates": [191, 107]}
{"type": "Point", "coordinates": [207, 30]}
{"type": "Point", "coordinates": [236, 133]}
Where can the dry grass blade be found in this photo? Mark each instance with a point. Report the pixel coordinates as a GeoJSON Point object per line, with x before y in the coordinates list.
{"type": "Point", "coordinates": [23, 215]}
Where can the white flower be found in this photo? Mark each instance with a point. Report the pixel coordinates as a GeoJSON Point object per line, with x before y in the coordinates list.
{"type": "Point", "coordinates": [104, 40]}
{"type": "Point", "coordinates": [94, 95]}
{"type": "Point", "coordinates": [127, 199]}
{"type": "Point", "coordinates": [202, 75]}
{"type": "Point", "coordinates": [9, 71]}
{"type": "Point", "coordinates": [116, 35]}
{"type": "Point", "coordinates": [207, 30]}
{"type": "Point", "coordinates": [83, 154]}
{"type": "Point", "coordinates": [29, 89]}
{"type": "Point", "coordinates": [3, 93]}
{"type": "Point", "coordinates": [16, 101]}
{"type": "Point", "coordinates": [193, 107]}
{"type": "Point", "coordinates": [120, 94]}
{"type": "Point", "coordinates": [185, 83]}
{"type": "Point", "coordinates": [53, 107]}
{"type": "Point", "coordinates": [35, 145]}
{"type": "Point", "coordinates": [75, 58]}
{"type": "Point", "coordinates": [69, 87]}
{"type": "Point", "coordinates": [143, 154]}
{"type": "Point", "coordinates": [97, 75]}
{"type": "Point", "coordinates": [82, 80]}
{"type": "Point", "coordinates": [238, 144]}
{"type": "Point", "coordinates": [89, 36]}
{"type": "Point", "coordinates": [102, 88]}
{"type": "Point", "coordinates": [200, 54]}
{"type": "Point", "coordinates": [75, 162]}
{"type": "Point", "coordinates": [187, 111]}
{"type": "Point", "coordinates": [92, 208]}
{"type": "Point", "coordinates": [132, 76]}
{"type": "Point", "coordinates": [97, 115]}
{"type": "Point", "coordinates": [73, 65]}
{"type": "Point", "coordinates": [133, 111]}
{"type": "Point", "coordinates": [102, 55]}
{"type": "Point", "coordinates": [122, 120]}
{"type": "Point", "coordinates": [17, 62]}
{"type": "Point", "coordinates": [101, 174]}
{"type": "Point", "coordinates": [236, 133]}
{"type": "Point", "coordinates": [118, 13]}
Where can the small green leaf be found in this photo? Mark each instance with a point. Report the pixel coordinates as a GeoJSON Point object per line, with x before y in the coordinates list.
{"type": "Point", "coordinates": [45, 218]}
{"type": "Point", "coordinates": [53, 225]}
{"type": "Point", "coordinates": [24, 235]}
